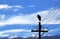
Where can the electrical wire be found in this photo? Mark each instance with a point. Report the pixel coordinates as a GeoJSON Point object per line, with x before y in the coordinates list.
{"type": "Point", "coordinates": [48, 15]}
{"type": "Point", "coordinates": [51, 15]}
{"type": "Point", "coordinates": [56, 20]}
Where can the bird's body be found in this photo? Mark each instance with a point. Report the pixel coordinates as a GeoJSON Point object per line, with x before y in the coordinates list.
{"type": "Point", "coordinates": [39, 17]}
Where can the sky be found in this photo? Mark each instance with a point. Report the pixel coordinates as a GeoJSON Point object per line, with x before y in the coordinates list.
{"type": "Point", "coordinates": [24, 12]}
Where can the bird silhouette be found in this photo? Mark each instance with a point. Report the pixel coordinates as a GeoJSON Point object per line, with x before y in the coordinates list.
{"type": "Point", "coordinates": [39, 17]}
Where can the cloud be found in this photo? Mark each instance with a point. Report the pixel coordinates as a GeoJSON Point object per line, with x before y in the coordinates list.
{"type": "Point", "coordinates": [14, 30]}
{"type": "Point", "coordinates": [18, 20]}
{"type": "Point", "coordinates": [52, 18]}
{"type": "Point", "coordinates": [4, 35]}
{"type": "Point", "coordinates": [18, 6]}
{"type": "Point", "coordinates": [17, 32]}
{"type": "Point", "coordinates": [52, 32]}
{"type": "Point", "coordinates": [5, 6]}
{"type": "Point", "coordinates": [47, 18]}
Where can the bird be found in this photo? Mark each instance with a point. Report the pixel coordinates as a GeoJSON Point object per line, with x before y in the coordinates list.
{"type": "Point", "coordinates": [39, 17]}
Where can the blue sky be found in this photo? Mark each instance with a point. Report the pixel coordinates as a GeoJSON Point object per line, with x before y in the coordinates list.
{"type": "Point", "coordinates": [23, 13]}
{"type": "Point", "coordinates": [30, 6]}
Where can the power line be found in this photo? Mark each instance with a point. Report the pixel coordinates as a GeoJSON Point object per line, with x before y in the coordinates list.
{"type": "Point", "coordinates": [48, 15]}
{"type": "Point", "coordinates": [51, 15]}
{"type": "Point", "coordinates": [56, 20]}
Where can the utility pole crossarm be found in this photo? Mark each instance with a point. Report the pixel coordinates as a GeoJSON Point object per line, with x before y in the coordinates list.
{"type": "Point", "coordinates": [40, 31]}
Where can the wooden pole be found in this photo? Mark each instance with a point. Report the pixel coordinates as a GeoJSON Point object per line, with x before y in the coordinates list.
{"type": "Point", "coordinates": [39, 29]}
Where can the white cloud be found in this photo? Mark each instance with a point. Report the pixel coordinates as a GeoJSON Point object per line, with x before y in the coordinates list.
{"type": "Point", "coordinates": [5, 6]}
{"type": "Point", "coordinates": [32, 18]}
{"type": "Point", "coordinates": [13, 37]}
{"type": "Point", "coordinates": [17, 32]}
{"type": "Point", "coordinates": [18, 6]}
{"type": "Point", "coordinates": [18, 20]}
{"type": "Point", "coordinates": [52, 32]}
{"type": "Point", "coordinates": [4, 35]}
{"type": "Point", "coordinates": [51, 18]}
{"type": "Point", "coordinates": [13, 31]}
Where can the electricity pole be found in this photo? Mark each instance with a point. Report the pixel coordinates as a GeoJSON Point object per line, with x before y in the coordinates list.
{"type": "Point", "coordinates": [39, 30]}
